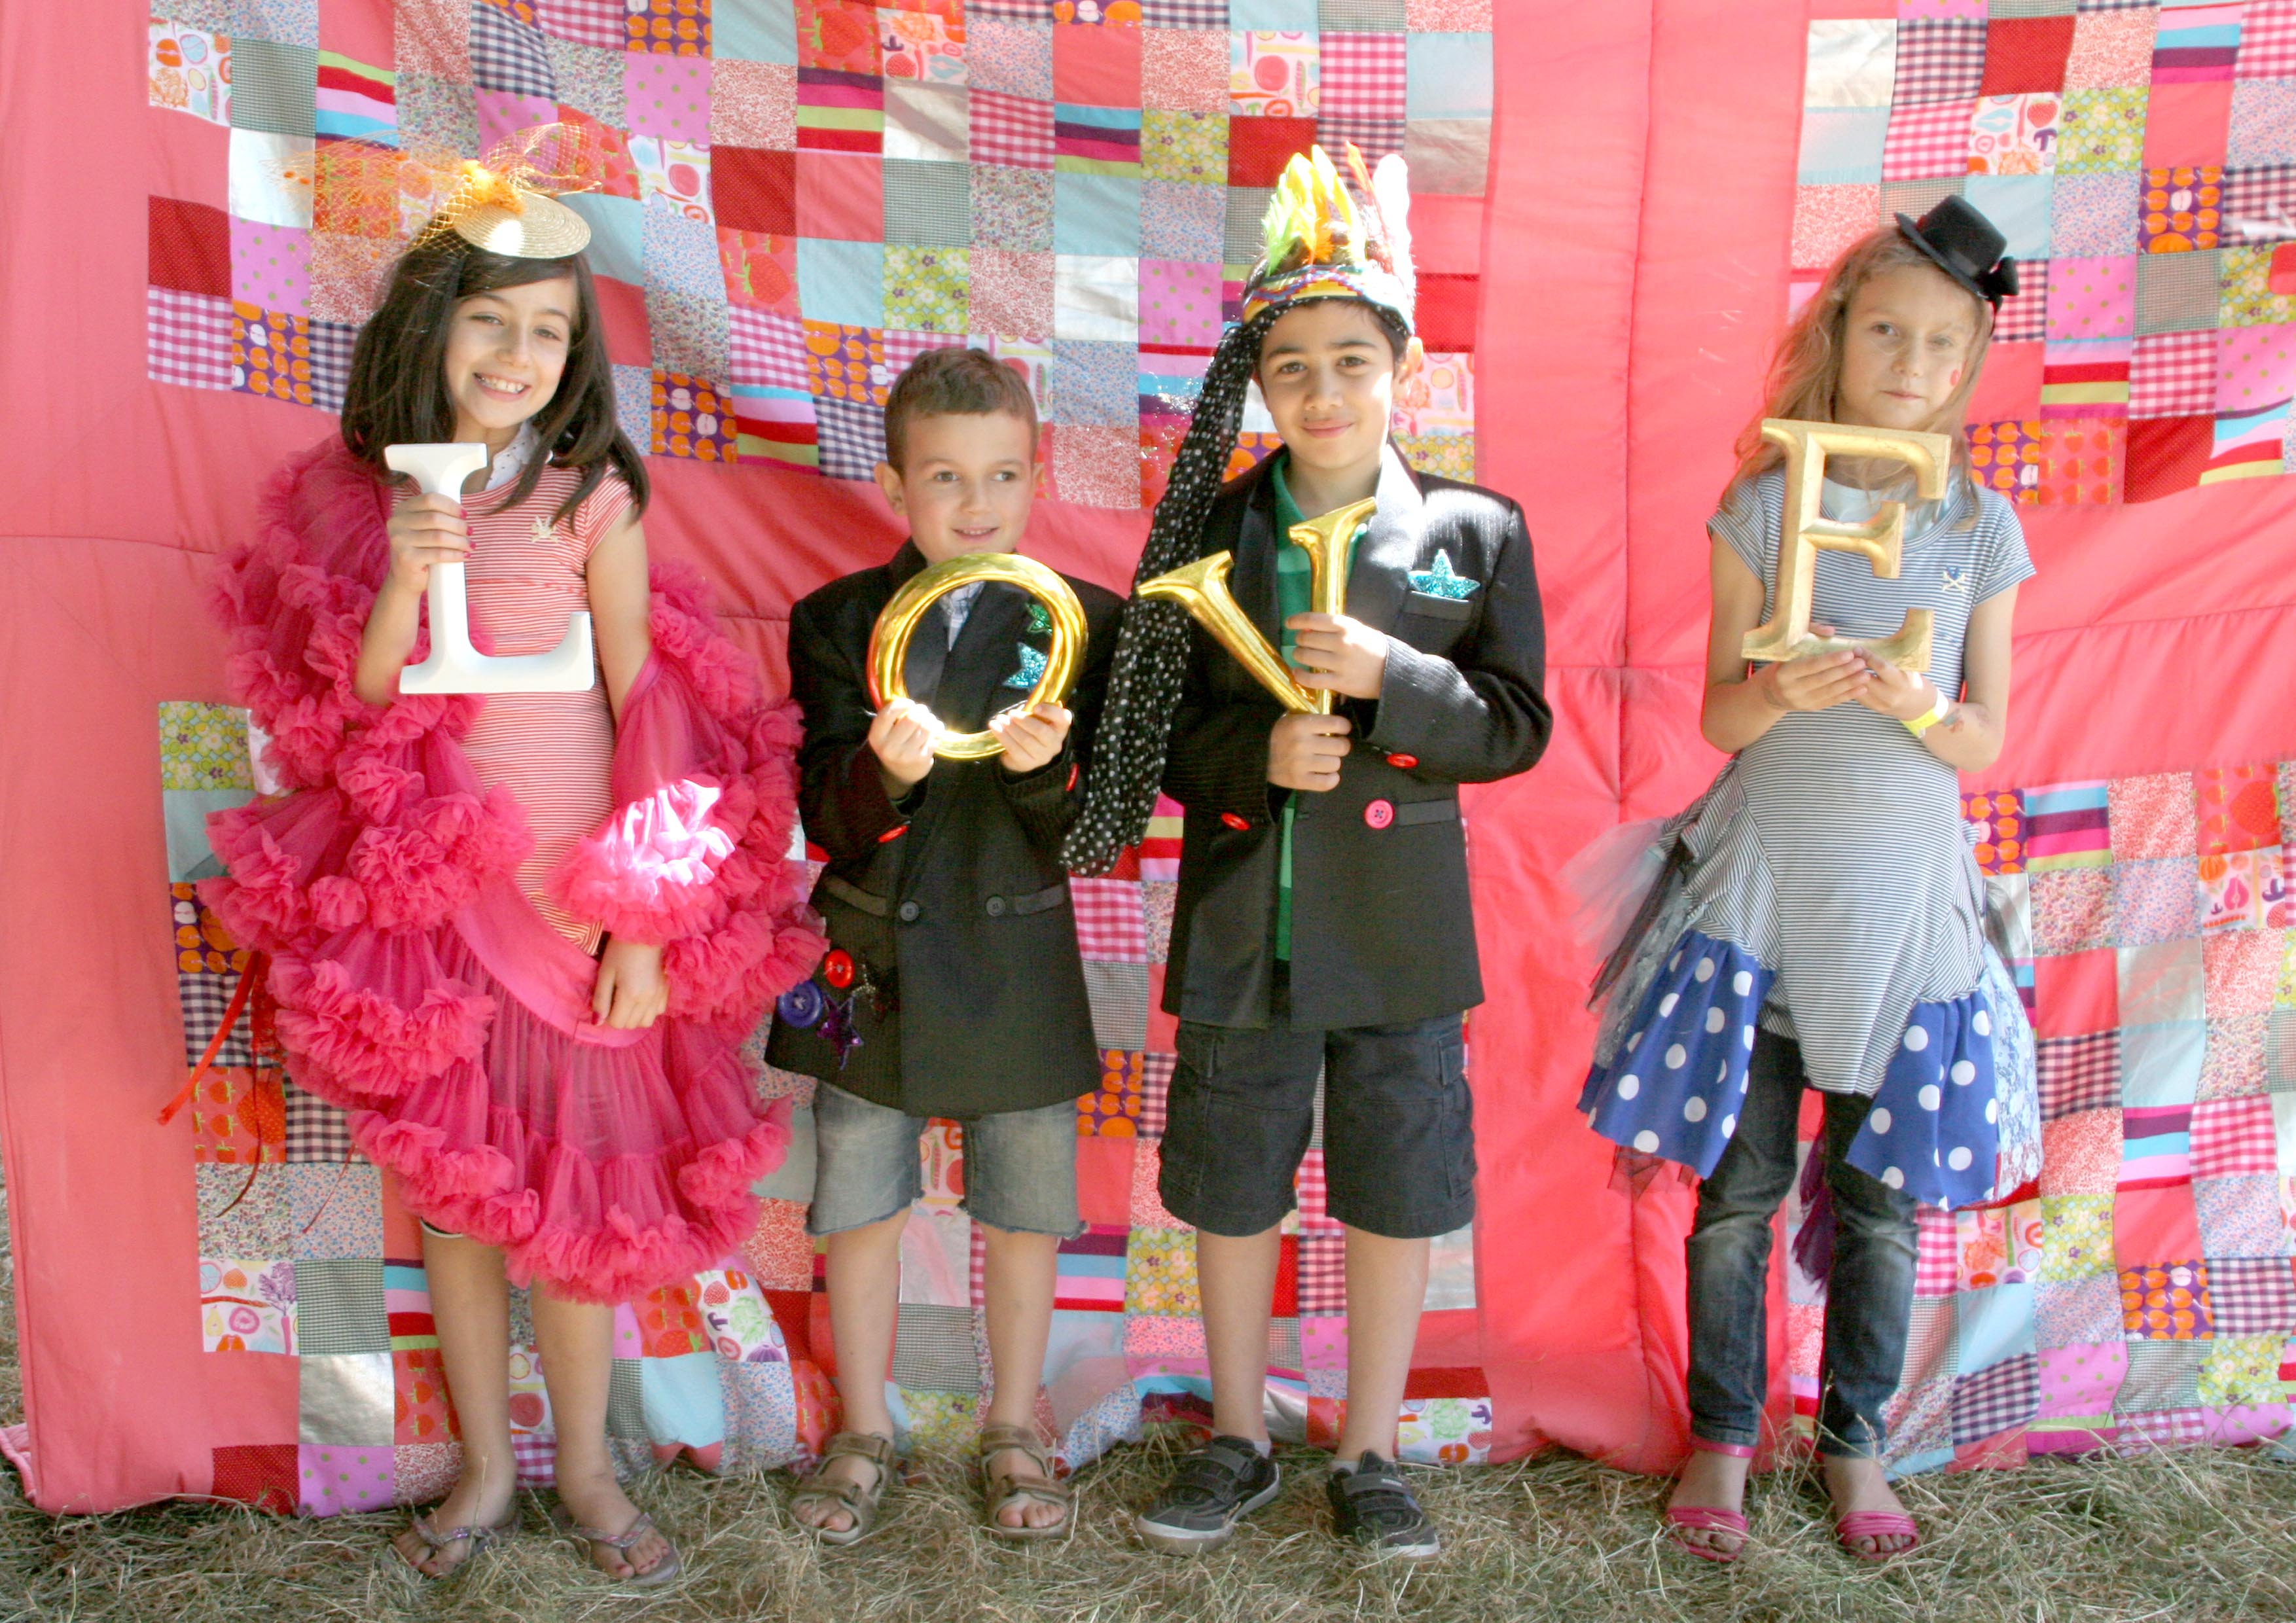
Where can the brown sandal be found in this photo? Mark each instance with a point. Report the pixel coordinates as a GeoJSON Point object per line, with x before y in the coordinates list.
{"type": "Point", "coordinates": [1006, 1489]}
{"type": "Point", "coordinates": [592, 1540]}
{"type": "Point", "coordinates": [856, 1499]}
{"type": "Point", "coordinates": [482, 1539]}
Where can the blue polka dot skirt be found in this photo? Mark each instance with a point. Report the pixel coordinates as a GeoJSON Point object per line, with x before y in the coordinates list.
{"type": "Point", "coordinates": [1675, 1087]}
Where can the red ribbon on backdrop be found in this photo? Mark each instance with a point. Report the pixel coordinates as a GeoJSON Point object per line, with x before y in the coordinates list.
{"type": "Point", "coordinates": [1634, 265]}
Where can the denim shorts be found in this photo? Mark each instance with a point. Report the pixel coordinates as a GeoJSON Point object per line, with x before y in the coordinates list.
{"type": "Point", "coordinates": [1398, 1126]}
{"type": "Point", "coordinates": [1019, 1166]}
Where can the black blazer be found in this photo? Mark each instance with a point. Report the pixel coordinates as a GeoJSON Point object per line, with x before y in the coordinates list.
{"type": "Point", "coordinates": [1382, 929]}
{"type": "Point", "coordinates": [968, 993]}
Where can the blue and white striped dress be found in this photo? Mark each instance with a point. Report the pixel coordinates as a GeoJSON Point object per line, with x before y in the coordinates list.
{"type": "Point", "coordinates": [1833, 897]}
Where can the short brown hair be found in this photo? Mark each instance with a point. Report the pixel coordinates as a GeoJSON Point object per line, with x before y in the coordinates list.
{"type": "Point", "coordinates": [953, 382]}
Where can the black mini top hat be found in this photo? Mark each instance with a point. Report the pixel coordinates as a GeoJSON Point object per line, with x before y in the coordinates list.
{"type": "Point", "coordinates": [1965, 246]}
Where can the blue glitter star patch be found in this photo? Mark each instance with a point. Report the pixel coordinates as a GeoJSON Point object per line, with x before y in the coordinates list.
{"type": "Point", "coordinates": [1441, 582]}
{"type": "Point", "coordinates": [1031, 671]}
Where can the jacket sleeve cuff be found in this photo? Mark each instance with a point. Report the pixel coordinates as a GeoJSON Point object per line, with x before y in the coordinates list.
{"type": "Point", "coordinates": [1414, 693]}
{"type": "Point", "coordinates": [1043, 801]}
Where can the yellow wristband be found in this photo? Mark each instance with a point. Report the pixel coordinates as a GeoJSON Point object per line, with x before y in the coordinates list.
{"type": "Point", "coordinates": [1929, 718]}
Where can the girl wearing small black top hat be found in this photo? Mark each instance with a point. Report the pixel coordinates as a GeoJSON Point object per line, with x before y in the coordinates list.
{"type": "Point", "coordinates": [1821, 923]}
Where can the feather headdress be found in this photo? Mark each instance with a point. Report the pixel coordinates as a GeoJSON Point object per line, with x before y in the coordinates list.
{"type": "Point", "coordinates": [1321, 240]}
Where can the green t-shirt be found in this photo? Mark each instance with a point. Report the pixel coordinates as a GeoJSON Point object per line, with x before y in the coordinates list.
{"type": "Point", "coordinates": [1295, 579]}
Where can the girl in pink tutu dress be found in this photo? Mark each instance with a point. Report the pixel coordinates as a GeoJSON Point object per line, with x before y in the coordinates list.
{"type": "Point", "coordinates": [519, 938]}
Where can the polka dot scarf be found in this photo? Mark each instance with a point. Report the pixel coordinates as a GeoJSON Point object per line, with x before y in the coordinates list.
{"type": "Point", "coordinates": [1151, 644]}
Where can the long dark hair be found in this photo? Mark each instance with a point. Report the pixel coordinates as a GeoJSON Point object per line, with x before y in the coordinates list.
{"type": "Point", "coordinates": [397, 391]}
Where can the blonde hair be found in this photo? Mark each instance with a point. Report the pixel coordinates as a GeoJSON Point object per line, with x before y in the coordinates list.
{"type": "Point", "coordinates": [1806, 374]}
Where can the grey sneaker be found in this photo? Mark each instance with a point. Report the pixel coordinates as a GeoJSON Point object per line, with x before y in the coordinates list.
{"type": "Point", "coordinates": [1373, 1506]}
{"type": "Point", "coordinates": [1211, 1489]}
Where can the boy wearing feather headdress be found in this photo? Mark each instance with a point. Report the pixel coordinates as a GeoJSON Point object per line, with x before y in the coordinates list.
{"type": "Point", "coordinates": [1322, 926]}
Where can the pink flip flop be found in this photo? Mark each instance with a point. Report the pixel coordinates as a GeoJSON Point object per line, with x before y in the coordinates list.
{"type": "Point", "coordinates": [1681, 1519]}
{"type": "Point", "coordinates": [1876, 1524]}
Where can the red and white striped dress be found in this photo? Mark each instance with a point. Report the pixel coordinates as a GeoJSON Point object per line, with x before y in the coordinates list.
{"type": "Point", "coordinates": [553, 751]}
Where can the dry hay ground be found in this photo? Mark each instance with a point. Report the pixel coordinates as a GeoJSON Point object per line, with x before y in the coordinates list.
{"type": "Point", "coordinates": [2197, 1535]}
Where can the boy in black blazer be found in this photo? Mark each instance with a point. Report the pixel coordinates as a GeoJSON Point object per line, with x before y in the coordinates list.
{"type": "Point", "coordinates": [953, 985]}
{"type": "Point", "coordinates": [1322, 924]}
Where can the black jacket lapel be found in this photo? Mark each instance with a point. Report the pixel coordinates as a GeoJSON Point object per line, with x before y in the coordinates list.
{"type": "Point", "coordinates": [1252, 580]}
{"type": "Point", "coordinates": [1379, 576]}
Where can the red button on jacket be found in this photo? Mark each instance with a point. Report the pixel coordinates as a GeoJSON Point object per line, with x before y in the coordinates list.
{"type": "Point", "coordinates": [1379, 813]}
{"type": "Point", "coordinates": [1233, 821]}
{"type": "Point", "coordinates": [1402, 763]}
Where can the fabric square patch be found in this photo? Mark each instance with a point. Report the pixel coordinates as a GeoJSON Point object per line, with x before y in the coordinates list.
{"type": "Point", "coordinates": [1095, 214]}
{"type": "Point", "coordinates": [1011, 293]}
{"type": "Point", "coordinates": [340, 1306]}
{"type": "Point", "coordinates": [2007, 458]}
{"type": "Point", "coordinates": [1186, 148]}
{"type": "Point", "coordinates": [590, 80]}
{"type": "Point", "coordinates": [508, 55]}
{"type": "Point", "coordinates": [1449, 157]}
{"type": "Point", "coordinates": [1850, 64]}
{"type": "Point", "coordinates": [2078, 1313]}
{"type": "Point", "coordinates": [1273, 75]}
{"type": "Point", "coordinates": [2021, 205]}
{"type": "Point", "coordinates": [2252, 1295]}
{"type": "Point", "coordinates": [2233, 1139]}
{"type": "Point", "coordinates": [1827, 219]}
{"type": "Point", "coordinates": [672, 28]}
{"type": "Point", "coordinates": [1258, 149]}
{"type": "Point", "coordinates": [2111, 49]}
{"type": "Point", "coordinates": [2186, 123]}
{"type": "Point", "coordinates": [2101, 132]}
{"type": "Point", "coordinates": [2240, 1218]}
{"type": "Point", "coordinates": [2237, 807]}
{"type": "Point", "coordinates": [927, 122]}
{"type": "Point", "coordinates": [1094, 383]}
{"type": "Point", "coordinates": [2267, 41]}
{"type": "Point", "coordinates": [336, 1211]}
{"type": "Point", "coordinates": [920, 45]}
{"type": "Point", "coordinates": [2235, 1065]}
{"type": "Point", "coordinates": [1094, 66]}
{"type": "Point", "coordinates": [273, 87]}
{"type": "Point", "coordinates": [1096, 297]}
{"type": "Point", "coordinates": [2080, 1154]}
{"type": "Point", "coordinates": [2079, 1073]}
{"type": "Point", "coordinates": [752, 105]}
{"type": "Point", "coordinates": [2181, 210]}
{"type": "Point", "coordinates": [2013, 134]}
{"type": "Point", "coordinates": [2153, 817]}
{"type": "Point", "coordinates": [2160, 983]}
{"type": "Point", "coordinates": [2242, 969]}
{"type": "Point", "coordinates": [837, 35]}
{"type": "Point", "coordinates": [1841, 145]}
{"type": "Point", "coordinates": [189, 69]}
{"type": "Point", "coordinates": [2243, 1370]}
{"type": "Point", "coordinates": [1009, 57]}
{"type": "Point", "coordinates": [2173, 374]}
{"type": "Point", "coordinates": [691, 418]}
{"type": "Point", "coordinates": [1098, 466]}
{"type": "Point", "coordinates": [189, 248]}
{"type": "Point", "coordinates": [2249, 297]}
{"type": "Point", "coordinates": [755, 190]}
{"type": "Point", "coordinates": [760, 272]}
{"type": "Point", "coordinates": [1927, 141]}
{"type": "Point", "coordinates": [1939, 60]}
{"type": "Point", "coordinates": [2082, 458]}
{"type": "Point", "coordinates": [668, 96]}
{"type": "Point", "coordinates": [928, 205]}
{"type": "Point", "coordinates": [1183, 222]}
{"type": "Point", "coordinates": [2000, 1398]}
{"type": "Point", "coordinates": [314, 1130]}
{"type": "Point", "coordinates": [689, 335]}
{"type": "Point", "coordinates": [1012, 131]}
{"type": "Point", "coordinates": [1183, 69]}
{"type": "Point", "coordinates": [925, 289]}
{"type": "Point", "coordinates": [2096, 215]}
{"type": "Point", "coordinates": [1160, 1273]}
{"type": "Point", "coordinates": [2263, 125]}
{"type": "Point", "coordinates": [1366, 81]}
{"type": "Point", "coordinates": [2161, 1375]}
{"type": "Point", "coordinates": [2155, 901]}
{"type": "Point", "coordinates": [681, 254]}
{"type": "Point", "coordinates": [2091, 298]}
{"type": "Point", "coordinates": [2168, 455]}
{"type": "Point", "coordinates": [187, 339]}
{"type": "Point", "coordinates": [852, 437]}
{"type": "Point", "coordinates": [261, 1474]}
{"type": "Point", "coordinates": [1179, 303]}
{"type": "Point", "coordinates": [2081, 1381]}
{"type": "Point", "coordinates": [2026, 54]}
